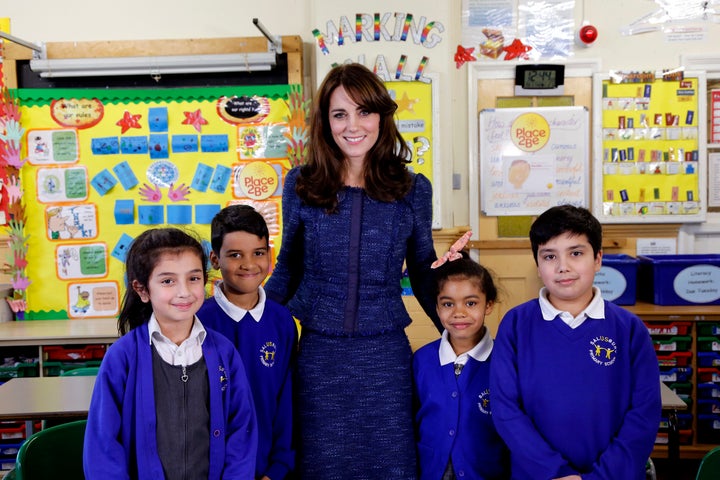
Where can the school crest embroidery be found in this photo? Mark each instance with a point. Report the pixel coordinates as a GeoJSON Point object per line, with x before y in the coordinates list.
{"type": "Point", "coordinates": [484, 402]}
{"type": "Point", "coordinates": [267, 354]}
{"type": "Point", "coordinates": [603, 350]}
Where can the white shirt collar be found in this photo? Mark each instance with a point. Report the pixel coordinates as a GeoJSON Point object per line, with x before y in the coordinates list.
{"type": "Point", "coordinates": [238, 313]}
{"type": "Point", "coordinates": [187, 353]}
{"type": "Point", "coordinates": [479, 352]}
{"type": "Point", "coordinates": [595, 309]}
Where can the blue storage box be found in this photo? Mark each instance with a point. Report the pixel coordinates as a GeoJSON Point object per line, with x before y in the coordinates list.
{"type": "Point", "coordinates": [676, 374]}
{"type": "Point", "coordinates": [708, 390]}
{"type": "Point", "coordinates": [708, 359]}
{"type": "Point", "coordinates": [679, 279]}
{"type": "Point", "coordinates": [617, 278]}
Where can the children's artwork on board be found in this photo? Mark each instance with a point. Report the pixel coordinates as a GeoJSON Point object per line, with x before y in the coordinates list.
{"type": "Point", "coordinates": [104, 165]}
{"type": "Point", "coordinates": [87, 300]}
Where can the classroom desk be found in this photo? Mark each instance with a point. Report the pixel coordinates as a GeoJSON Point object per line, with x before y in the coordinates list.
{"type": "Point", "coordinates": [37, 398]}
{"type": "Point", "coordinates": [58, 332]}
{"type": "Point", "coordinates": [672, 403]}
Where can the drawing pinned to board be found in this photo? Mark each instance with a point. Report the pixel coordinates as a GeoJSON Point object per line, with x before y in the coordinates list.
{"type": "Point", "coordinates": [71, 221]}
{"type": "Point", "coordinates": [62, 184]}
{"type": "Point", "coordinates": [45, 147]}
{"type": "Point", "coordinates": [87, 300]}
{"type": "Point", "coordinates": [532, 159]}
{"type": "Point", "coordinates": [82, 261]}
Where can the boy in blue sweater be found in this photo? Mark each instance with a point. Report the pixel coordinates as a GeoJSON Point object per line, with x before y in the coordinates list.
{"type": "Point", "coordinates": [263, 331]}
{"type": "Point", "coordinates": [456, 437]}
{"type": "Point", "coordinates": [575, 381]}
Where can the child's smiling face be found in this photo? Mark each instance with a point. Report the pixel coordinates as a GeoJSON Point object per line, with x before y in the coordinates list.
{"type": "Point", "coordinates": [462, 307]}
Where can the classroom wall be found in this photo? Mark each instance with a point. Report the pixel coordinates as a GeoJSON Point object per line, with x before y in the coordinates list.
{"type": "Point", "coordinates": [83, 20]}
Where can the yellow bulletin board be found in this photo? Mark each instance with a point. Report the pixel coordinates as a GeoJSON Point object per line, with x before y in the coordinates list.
{"type": "Point", "coordinates": [417, 122]}
{"type": "Point", "coordinates": [650, 158]}
{"type": "Point", "coordinates": [104, 165]}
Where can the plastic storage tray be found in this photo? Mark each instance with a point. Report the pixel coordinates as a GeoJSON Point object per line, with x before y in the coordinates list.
{"type": "Point", "coordinates": [679, 279]}
{"type": "Point", "coordinates": [674, 359]}
{"type": "Point", "coordinates": [672, 344]}
{"type": "Point", "coordinates": [708, 359]}
{"type": "Point", "coordinates": [676, 374]}
{"type": "Point", "coordinates": [617, 278]}
{"type": "Point", "coordinates": [669, 328]}
{"type": "Point", "coordinates": [89, 352]}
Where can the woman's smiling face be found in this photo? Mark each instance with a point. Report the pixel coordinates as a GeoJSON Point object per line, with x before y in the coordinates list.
{"type": "Point", "coordinates": [354, 128]}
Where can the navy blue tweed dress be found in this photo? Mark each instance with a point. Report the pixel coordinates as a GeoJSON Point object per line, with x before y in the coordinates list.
{"type": "Point", "coordinates": [339, 274]}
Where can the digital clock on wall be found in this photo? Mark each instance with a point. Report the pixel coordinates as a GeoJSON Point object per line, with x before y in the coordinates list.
{"type": "Point", "coordinates": [538, 80]}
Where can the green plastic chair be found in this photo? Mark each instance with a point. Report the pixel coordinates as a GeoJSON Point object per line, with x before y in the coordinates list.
{"type": "Point", "coordinates": [56, 452]}
{"type": "Point", "coordinates": [710, 466]}
{"type": "Point", "coordinates": [81, 372]}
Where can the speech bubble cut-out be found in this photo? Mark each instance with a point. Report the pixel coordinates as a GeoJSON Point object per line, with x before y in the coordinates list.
{"type": "Point", "coordinates": [202, 177]}
{"type": "Point", "coordinates": [126, 176]}
{"type": "Point", "coordinates": [121, 247]}
{"type": "Point", "coordinates": [150, 214]}
{"type": "Point", "coordinates": [103, 182]}
{"type": "Point", "coordinates": [179, 214]}
{"type": "Point", "coordinates": [205, 213]}
{"type": "Point", "coordinates": [124, 212]}
{"type": "Point", "coordinates": [158, 119]}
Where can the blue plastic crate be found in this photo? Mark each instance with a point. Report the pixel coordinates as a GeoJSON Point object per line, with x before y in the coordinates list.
{"type": "Point", "coordinates": [679, 279]}
{"type": "Point", "coordinates": [676, 374]}
{"type": "Point", "coordinates": [708, 359]}
{"type": "Point", "coordinates": [617, 278]}
{"type": "Point", "coordinates": [708, 390]}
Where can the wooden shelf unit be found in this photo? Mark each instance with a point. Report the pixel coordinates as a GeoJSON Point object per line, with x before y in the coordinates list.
{"type": "Point", "coordinates": [689, 313]}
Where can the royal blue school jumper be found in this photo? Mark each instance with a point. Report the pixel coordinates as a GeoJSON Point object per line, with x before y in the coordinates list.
{"type": "Point", "coordinates": [583, 401]}
{"type": "Point", "coordinates": [120, 439]}
{"type": "Point", "coordinates": [267, 348]}
{"type": "Point", "coordinates": [453, 418]}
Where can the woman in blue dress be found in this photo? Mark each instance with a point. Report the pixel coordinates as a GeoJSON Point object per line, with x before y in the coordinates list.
{"type": "Point", "coordinates": [353, 215]}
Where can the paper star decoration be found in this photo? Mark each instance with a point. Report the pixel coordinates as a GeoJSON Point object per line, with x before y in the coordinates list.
{"type": "Point", "coordinates": [516, 50]}
{"type": "Point", "coordinates": [195, 119]}
{"type": "Point", "coordinates": [129, 121]}
{"type": "Point", "coordinates": [463, 55]}
{"type": "Point", "coordinates": [405, 103]}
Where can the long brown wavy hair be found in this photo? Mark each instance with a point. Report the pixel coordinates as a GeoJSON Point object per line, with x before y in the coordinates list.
{"type": "Point", "coordinates": [385, 169]}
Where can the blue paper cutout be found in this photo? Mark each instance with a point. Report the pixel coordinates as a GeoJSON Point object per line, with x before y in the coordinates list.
{"type": "Point", "coordinates": [201, 180]}
{"type": "Point", "coordinates": [214, 143]}
{"type": "Point", "coordinates": [220, 179]}
{"type": "Point", "coordinates": [179, 214]}
{"type": "Point", "coordinates": [150, 214]}
{"type": "Point", "coordinates": [184, 143]}
{"type": "Point", "coordinates": [158, 119]}
{"type": "Point", "coordinates": [121, 247]}
{"type": "Point", "coordinates": [125, 175]}
{"type": "Point", "coordinates": [103, 182]}
{"type": "Point", "coordinates": [105, 146]}
{"type": "Point", "coordinates": [159, 146]}
{"type": "Point", "coordinates": [205, 213]}
{"type": "Point", "coordinates": [134, 145]}
{"type": "Point", "coordinates": [124, 212]}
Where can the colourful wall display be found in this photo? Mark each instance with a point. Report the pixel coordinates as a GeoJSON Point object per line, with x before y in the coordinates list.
{"type": "Point", "coordinates": [104, 165]}
{"type": "Point", "coordinates": [650, 149]}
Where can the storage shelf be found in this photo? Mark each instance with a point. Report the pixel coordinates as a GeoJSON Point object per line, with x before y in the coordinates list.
{"type": "Point", "coordinates": [696, 314]}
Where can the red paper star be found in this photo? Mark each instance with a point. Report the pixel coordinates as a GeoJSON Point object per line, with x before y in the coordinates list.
{"type": "Point", "coordinates": [129, 121]}
{"type": "Point", "coordinates": [463, 55]}
{"type": "Point", "coordinates": [195, 119]}
{"type": "Point", "coordinates": [516, 50]}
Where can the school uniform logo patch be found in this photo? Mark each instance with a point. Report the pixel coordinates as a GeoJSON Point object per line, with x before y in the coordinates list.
{"type": "Point", "coordinates": [603, 350]}
{"type": "Point", "coordinates": [484, 402]}
{"type": "Point", "coordinates": [267, 354]}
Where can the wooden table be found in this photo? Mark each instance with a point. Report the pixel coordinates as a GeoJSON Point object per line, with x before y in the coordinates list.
{"type": "Point", "coordinates": [38, 398]}
{"type": "Point", "coordinates": [58, 332]}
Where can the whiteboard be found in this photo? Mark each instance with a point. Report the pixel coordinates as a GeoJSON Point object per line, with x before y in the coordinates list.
{"type": "Point", "coordinates": [532, 159]}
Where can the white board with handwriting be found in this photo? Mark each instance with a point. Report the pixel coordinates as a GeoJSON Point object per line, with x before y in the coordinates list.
{"type": "Point", "coordinates": [532, 159]}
